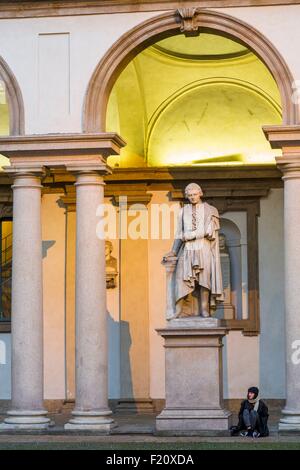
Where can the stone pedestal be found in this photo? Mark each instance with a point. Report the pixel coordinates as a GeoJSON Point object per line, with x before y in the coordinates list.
{"type": "Point", "coordinates": [193, 378]}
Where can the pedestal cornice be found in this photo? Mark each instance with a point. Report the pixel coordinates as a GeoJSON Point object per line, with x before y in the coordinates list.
{"type": "Point", "coordinates": [188, 331]}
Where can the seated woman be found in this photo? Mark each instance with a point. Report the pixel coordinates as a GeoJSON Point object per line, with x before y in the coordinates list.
{"type": "Point", "coordinates": [253, 416]}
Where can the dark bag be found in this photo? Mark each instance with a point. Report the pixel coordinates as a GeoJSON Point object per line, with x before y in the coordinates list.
{"type": "Point", "coordinates": [234, 430]}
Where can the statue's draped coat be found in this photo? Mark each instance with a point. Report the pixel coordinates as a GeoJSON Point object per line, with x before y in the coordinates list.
{"type": "Point", "coordinates": [198, 259]}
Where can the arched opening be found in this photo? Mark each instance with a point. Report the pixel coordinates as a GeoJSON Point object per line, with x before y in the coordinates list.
{"type": "Point", "coordinates": [12, 108]}
{"type": "Point", "coordinates": [11, 123]}
{"type": "Point", "coordinates": [168, 25]}
{"type": "Point", "coordinates": [192, 101]}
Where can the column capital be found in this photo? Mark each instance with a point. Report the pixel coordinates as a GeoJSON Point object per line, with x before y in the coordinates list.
{"type": "Point", "coordinates": [89, 175]}
{"type": "Point", "coordinates": [26, 176]}
{"type": "Point", "coordinates": [289, 166]}
{"type": "Point", "coordinates": [25, 170]}
{"type": "Point", "coordinates": [85, 168]}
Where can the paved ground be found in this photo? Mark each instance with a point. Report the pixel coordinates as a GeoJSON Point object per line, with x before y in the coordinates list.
{"type": "Point", "coordinates": [136, 432]}
{"type": "Point", "coordinates": [175, 447]}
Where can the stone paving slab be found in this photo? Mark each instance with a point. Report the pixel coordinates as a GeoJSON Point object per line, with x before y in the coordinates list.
{"type": "Point", "coordinates": [132, 428]}
{"type": "Point", "coordinates": [14, 438]}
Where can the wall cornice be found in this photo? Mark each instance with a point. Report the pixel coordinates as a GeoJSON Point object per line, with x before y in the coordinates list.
{"type": "Point", "coordinates": [283, 136]}
{"type": "Point", "coordinates": [168, 178]}
{"type": "Point", "coordinates": [32, 9]}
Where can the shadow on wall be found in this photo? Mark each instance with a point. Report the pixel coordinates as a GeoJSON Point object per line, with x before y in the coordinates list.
{"type": "Point", "coordinates": [46, 245]}
{"type": "Point", "coordinates": [225, 369]}
{"type": "Point", "coordinates": [119, 367]}
{"type": "Point", "coordinates": [272, 348]}
{"type": "Point", "coordinates": [126, 388]}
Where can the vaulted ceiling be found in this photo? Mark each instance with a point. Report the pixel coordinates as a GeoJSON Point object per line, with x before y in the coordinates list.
{"type": "Point", "coordinates": [194, 101]}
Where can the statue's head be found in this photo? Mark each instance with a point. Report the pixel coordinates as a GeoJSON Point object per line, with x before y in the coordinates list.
{"type": "Point", "coordinates": [193, 193]}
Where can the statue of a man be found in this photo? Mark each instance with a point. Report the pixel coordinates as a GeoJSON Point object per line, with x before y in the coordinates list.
{"type": "Point", "coordinates": [196, 246]}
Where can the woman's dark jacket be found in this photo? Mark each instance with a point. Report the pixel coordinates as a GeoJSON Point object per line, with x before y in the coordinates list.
{"type": "Point", "coordinates": [262, 411]}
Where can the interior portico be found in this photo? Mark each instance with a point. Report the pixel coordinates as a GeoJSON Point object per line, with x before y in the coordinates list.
{"type": "Point", "coordinates": [84, 156]}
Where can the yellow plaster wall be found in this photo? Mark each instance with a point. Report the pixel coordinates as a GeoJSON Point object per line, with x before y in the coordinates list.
{"type": "Point", "coordinates": [53, 236]}
{"type": "Point", "coordinates": [134, 319]}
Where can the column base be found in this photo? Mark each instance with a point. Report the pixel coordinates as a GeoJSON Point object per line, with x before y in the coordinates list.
{"type": "Point", "coordinates": [27, 419]}
{"type": "Point", "coordinates": [91, 421]}
{"type": "Point", "coordinates": [174, 421]}
{"type": "Point", "coordinates": [290, 421]}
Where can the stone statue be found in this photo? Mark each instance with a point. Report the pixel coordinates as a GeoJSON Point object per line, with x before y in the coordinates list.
{"type": "Point", "coordinates": [111, 266]}
{"type": "Point", "coordinates": [193, 265]}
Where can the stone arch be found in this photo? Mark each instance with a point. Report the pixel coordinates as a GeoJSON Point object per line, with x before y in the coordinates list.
{"type": "Point", "coordinates": [170, 24]}
{"type": "Point", "coordinates": [14, 98]}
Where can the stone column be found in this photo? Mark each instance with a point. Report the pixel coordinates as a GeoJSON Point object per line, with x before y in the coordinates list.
{"type": "Point", "coordinates": [27, 304]}
{"type": "Point", "coordinates": [290, 168]}
{"type": "Point", "coordinates": [91, 403]}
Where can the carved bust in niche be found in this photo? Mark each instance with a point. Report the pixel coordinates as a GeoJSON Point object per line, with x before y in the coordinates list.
{"type": "Point", "coordinates": [226, 309]}
{"type": "Point", "coordinates": [111, 266]}
{"type": "Point", "coordinates": [222, 243]}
